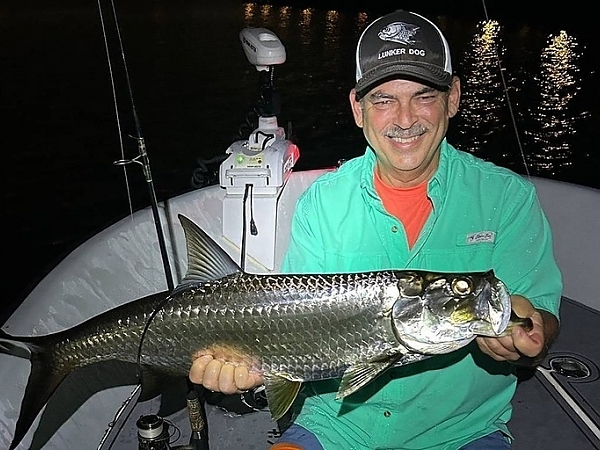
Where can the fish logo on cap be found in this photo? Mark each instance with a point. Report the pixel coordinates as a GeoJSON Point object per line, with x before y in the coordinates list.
{"type": "Point", "coordinates": [399, 32]}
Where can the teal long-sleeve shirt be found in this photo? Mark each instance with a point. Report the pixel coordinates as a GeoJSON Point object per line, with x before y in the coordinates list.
{"type": "Point", "coordinates": [484, 217]}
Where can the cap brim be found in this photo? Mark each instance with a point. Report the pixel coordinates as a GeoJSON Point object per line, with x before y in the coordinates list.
{"type": "Point", "coordinates": [427, 74]}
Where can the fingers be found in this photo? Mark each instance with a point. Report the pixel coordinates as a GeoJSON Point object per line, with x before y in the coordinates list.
{"type": "Point", "coordinates": [500, 349]}
{"type": "Point", "coordinates": [245, 379]}
{"type": "Point", "coordinates": [220, 376]}
{"type": "Point", "coordinates": [212, 374]}
{"type": "Point", "coordinates": [226, 379]}
{"type": "Point", "coordinates": [198, 368]}
{"type": "Point", "coordinates": [521, 306]}
{"type": "Point", "coordinates": [530, 343]}
{"type": "Point", "coordinates": [208, 371]}
{"type": "Point", "coordinates": [242, 378]}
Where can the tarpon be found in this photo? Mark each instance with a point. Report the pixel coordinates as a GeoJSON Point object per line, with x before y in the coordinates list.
{"type": "Point", "coordinates": [291, 328]}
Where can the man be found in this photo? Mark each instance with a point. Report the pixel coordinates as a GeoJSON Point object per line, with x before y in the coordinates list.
{"type": "Point", "coordinates": [414, 201]}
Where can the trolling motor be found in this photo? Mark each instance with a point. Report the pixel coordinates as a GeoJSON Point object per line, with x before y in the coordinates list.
{"type": "Point", "coordinates": [266, 158]}
{"type": "Point", "coordinates": [257, 168]}
{"type": "Point", "coordinates": [264, 50]}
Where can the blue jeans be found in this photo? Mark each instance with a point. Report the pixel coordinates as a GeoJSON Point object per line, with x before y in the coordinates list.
{"type": "Point", "coordinates": [298, 435]}
{"type": "Point", "coordinates": [494, 441]}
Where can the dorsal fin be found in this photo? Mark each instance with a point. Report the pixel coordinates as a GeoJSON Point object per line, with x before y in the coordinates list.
{"type": "Point", "coordinates": [207, 261]}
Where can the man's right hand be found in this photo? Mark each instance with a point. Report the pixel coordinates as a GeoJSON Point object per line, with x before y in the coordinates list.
{"type": "Point", "coordinates": [219, 376]}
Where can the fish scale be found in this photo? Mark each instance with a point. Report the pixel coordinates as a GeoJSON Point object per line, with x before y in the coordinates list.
{"type": "Point", "coordinates": [329, 322]}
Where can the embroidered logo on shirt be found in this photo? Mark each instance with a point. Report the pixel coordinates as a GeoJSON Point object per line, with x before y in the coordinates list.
{"type": "Point", "coordinates": [481, 236]}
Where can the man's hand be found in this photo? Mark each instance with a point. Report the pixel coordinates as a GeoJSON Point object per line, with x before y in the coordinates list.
{"type": "Point", "coordinates": [220, 376]}
{"type": "Point", "coordinates": [532, 344]}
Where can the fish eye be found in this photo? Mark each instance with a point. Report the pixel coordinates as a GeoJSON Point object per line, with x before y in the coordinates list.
{"type": "Point", "coordinates": [461, 286]}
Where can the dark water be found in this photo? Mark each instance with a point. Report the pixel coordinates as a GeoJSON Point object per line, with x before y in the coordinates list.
{"type": "Point", "coordinates": [193, 87]}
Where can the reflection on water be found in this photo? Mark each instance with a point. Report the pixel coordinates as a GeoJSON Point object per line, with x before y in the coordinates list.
{"type": "Point", "coordinates": [554, 116]}
{"type": "Point", "coordinates": [332, 30]}
{"type": "Point", "coordinates": [487, 106]}
{"type": "Point", "coordinates": [284, 16]}
{"type": "Point", "coordinates": [483, 97]}
{"type": "Point", "coordinates": [305, 24]}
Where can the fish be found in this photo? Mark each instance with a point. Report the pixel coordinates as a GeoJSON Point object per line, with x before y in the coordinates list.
{"type": "Point", "coordinates": [291, 328]}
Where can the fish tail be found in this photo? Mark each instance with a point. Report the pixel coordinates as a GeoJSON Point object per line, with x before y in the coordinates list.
{"type": "Point", "coordinates": [43, 378]}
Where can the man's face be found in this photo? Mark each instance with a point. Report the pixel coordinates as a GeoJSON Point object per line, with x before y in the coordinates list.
{"type": "Point", "coordinates": [405, 122]}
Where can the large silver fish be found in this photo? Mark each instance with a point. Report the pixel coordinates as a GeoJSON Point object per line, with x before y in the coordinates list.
{"type": "Point", "coordinates": [290, 328]}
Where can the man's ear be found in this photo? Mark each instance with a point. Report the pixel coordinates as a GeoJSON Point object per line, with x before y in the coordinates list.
{"type": "Point", "coordinates": [357, 108]}
{"type": "Point", "coordinates": [454, 97]}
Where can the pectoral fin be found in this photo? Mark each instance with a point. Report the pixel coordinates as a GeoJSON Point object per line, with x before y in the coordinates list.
{"type": "Point", "coordinates": [358, 375]}
{"type": "Point", "coordinates": [281, 393]}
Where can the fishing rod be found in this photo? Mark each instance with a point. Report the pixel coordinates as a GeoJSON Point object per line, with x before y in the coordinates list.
{"type": "Point", "coordinates": [142, 158]}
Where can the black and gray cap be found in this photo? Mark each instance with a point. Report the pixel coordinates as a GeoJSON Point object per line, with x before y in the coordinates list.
{"type": "Point", "coordinates": [404, 45]}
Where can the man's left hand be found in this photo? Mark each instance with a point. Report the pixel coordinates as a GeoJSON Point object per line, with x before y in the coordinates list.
{"type": "Point", "coordinates": [521, 343]}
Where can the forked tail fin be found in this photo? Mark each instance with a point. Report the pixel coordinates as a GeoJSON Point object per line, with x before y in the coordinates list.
{"type": "Point", "coordinates": [44, 377]}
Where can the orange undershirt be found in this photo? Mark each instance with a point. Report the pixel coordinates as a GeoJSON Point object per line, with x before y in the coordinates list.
{"type": "Point", "coordinates": [409, 205]}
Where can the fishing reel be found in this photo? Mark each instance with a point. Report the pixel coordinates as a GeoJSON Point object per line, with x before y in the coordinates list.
{"type": "Point", "coordinates": [153, 433]}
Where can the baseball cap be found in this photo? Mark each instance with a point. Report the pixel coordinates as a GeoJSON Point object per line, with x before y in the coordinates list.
{"type": "Point", "coordinates": [405, 45]}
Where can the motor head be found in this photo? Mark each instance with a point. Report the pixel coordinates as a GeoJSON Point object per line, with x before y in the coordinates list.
{"type": "Point", "coordinates": [262, 47]}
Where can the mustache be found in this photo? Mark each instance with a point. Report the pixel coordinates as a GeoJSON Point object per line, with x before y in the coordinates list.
{"type": "Point", "coordinates": [394, 131]}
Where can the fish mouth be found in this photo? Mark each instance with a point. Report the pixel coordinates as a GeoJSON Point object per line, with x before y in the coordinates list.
{"type": "Point", "coordinates": [495, 312]}
{"type": "Point", "coordinates": [501, 297]}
